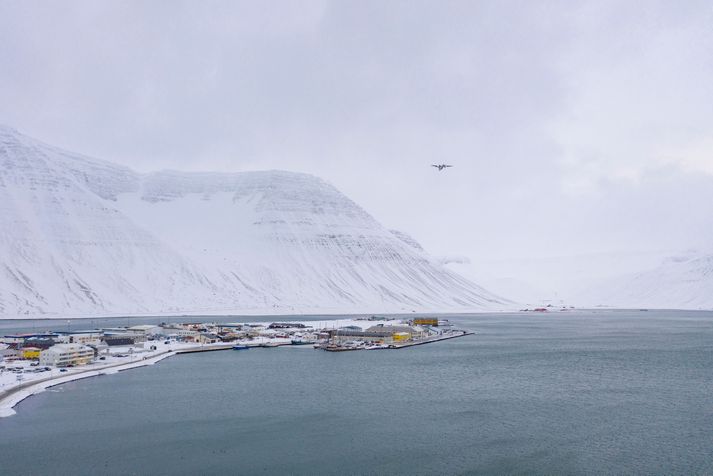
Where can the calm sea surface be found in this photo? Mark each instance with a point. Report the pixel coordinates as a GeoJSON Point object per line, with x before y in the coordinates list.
{"type": "Point", "coordinates": [561, 393]}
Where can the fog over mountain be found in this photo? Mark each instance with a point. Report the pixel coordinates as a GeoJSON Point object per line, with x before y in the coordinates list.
{"type": "Point", "coordinates": [678, 282]}
{"type": "Point", "coordinates": [81, 236]}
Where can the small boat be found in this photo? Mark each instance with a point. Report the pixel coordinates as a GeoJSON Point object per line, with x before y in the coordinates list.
{"type": "Point", "coordinates": [303, 342]}
{"type": "Point", "coordinates": [270, 344]}
{"type": "Point", "coordinates": [376, 347]}
{"type": "Point", "coordinates": [241, 347]}
{"type": "Point", "coordinates": [339, 348]}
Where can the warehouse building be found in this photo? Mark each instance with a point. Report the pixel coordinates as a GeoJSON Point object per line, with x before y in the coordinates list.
{"type": "Point", "coordinates": [347, 335]}
{"type": "Point", "coordinates": [119, 340]}
{"type": "Point", "coordinates": [146, 330]}
{"type": "Point", "coordinates": [426, 321]}
{"type": "Point", "coordinates": [411, 331]}
{"type": "Point", "coordinates": [80, 337]}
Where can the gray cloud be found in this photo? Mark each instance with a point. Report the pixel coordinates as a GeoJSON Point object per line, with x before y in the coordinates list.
{"type": "Point", "coordinates": [575, 127]}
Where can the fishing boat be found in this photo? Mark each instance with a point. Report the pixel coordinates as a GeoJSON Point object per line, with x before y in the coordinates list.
{"type": "Point", "coordinates": [339, 348]}
{"type": "Point", "coordinates": [376, 347]}
{"type": "Point", "coordinates": [303, 341]}
{"type": "Point", "coordinates": [241, 347]}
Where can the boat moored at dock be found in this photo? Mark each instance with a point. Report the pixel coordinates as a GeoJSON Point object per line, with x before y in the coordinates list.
{"type": "Point", "coordinates": [269, 345]}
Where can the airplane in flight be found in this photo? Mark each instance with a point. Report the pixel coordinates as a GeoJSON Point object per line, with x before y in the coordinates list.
{"type": "Point", "coordinates": [440, 167]}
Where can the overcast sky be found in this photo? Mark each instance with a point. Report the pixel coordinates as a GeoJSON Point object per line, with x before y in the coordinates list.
{"type": "Point", "coordinates": [574, 127]}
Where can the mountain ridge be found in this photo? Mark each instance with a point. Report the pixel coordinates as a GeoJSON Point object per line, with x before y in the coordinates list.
{"type": "Point", "coordinates": [83, 236]}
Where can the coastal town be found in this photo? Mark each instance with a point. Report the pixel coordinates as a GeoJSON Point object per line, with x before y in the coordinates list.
{"type": "Point", "coordinates": [32, 362]}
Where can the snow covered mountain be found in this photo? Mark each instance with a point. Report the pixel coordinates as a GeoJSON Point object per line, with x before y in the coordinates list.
{"type": "Point", "coordinates": [680, 282]}
{"type": "Point", "coordinates": [80, 236]}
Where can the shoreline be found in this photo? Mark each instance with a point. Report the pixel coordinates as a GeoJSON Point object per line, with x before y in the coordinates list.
{"type": "Point", "coordinates": [432, 340]}
{"type": "Point", "coordinates": [326, 314]}
{"type": "Point", "coordinates": [14, 396]}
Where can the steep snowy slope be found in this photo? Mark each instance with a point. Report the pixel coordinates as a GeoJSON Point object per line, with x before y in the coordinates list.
{"type": "Point", "coordinates": [66, 249]}
{"type": "Point", "coordinates": [80, 236]}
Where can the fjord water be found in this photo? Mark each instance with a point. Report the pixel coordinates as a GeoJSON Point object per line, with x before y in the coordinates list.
{"type": "Point", "coordinates": [570, 392]}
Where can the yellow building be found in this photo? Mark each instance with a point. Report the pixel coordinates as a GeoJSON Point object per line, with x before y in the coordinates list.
{"type": "Point", "coordinates": [401, 336]}
{"type": "Point", "coordinates": [426, 321]}
{"type": "Point", "coordinates": [31, 353]}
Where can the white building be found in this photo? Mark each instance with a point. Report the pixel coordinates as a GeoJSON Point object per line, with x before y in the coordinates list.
{"type": "Point", "coordinates": [181, 332]}
{"type": "Point", "coordinates": [81, 338]}
{"type": "Point", "coordinates": [62, 355]}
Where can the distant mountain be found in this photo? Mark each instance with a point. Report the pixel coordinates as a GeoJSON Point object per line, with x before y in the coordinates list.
{"type": "Point", "coordinates": [620, 279]}
{"type": "Point", "coordinates": [80, 236]}
{"type": "Point", "coordinates": [679, 282]}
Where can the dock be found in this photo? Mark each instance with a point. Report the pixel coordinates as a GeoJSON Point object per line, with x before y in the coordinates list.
{"type": "Point", "coordinates": [453, 335]}
{"type": "Point", "coordinates": [429, 341]}
{"type": "Point", "coordinates": [206, 348]}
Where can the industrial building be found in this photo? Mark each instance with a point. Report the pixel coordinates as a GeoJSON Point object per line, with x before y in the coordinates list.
{"type": "Point", "coordinates": [346, 335]}
{"type": "Point", "coordinates": [380, 333]}
{"type": "Point", "coordinates": [146, 329]}
{"type": "Point", "coordinates": [80, 337]}
{"type": "Point", "coordinates": [411, 331]}
{"type": "Point", "coordinates": [119, 340]}
{"type": "Point", "coordinates": [426, 321]}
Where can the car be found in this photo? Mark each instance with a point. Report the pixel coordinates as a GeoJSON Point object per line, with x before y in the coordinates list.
{"type": "Point", "coordinates": [62, 370]}
{"type": "Point", "coordinates": [102, 358]}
